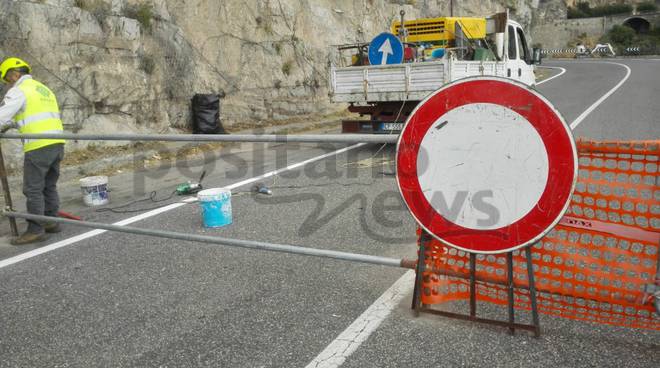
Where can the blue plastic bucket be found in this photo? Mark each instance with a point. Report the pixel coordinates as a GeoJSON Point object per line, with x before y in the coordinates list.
{"type": "Point", "coordinates": [216, 206]}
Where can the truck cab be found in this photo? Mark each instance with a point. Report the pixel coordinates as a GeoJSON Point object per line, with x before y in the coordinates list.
{"type": "Point", "coordinates": [438, 51]}
{"type": "Point", "coordinates": [518, 57]}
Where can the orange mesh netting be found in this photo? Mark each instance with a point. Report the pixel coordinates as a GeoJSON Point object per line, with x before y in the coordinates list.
{"type": "Point", "coordinates": [593, 266]}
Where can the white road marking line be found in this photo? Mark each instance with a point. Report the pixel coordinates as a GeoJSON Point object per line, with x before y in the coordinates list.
{"type": "Point", "coordinates": [83, 236]}
{"type": "Point", "coordinates": [591, 108]}
{"type": "Point", "coordinates": [554, 76]}
{"type": "Point", "coordinates": [348, 341]}
{"type": "Point", "coordinates": [359, 331]}
{"type": "Point", "coordinates": [158, 211]}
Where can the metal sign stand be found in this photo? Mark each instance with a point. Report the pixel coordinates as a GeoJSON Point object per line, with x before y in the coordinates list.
{"type": "Point", "coordinates": [419, 307]}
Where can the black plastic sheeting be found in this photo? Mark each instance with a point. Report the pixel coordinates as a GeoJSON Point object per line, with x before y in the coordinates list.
{"type": "Point", "coordinates": [206, 114]}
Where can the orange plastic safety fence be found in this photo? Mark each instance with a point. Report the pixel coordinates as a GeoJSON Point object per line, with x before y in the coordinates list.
{"type": "Point", "coordinates": [593, 266]}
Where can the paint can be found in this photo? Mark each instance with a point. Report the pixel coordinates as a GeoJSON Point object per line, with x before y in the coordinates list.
{"type": "Point", "coordinates": [94, 190]}
{"type": "Point", "coordinates": [216, 206]}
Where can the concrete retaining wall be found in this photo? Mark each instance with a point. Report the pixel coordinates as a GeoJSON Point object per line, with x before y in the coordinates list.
{"type": "Point", "coordinates": [556, 34]}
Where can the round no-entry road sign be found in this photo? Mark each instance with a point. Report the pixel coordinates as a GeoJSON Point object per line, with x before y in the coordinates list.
{"type": "Point", "coordinates": [486, 165]}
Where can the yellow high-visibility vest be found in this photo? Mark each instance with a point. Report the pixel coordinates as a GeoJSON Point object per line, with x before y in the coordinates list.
{"type": "Point", "coordinates": [40, 115]}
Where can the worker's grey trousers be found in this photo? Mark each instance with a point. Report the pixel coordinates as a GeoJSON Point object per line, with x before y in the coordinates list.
{"type": "Point", "coordinates": [41, 169]}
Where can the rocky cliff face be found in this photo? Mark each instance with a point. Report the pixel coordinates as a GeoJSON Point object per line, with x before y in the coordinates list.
{"type": "Point", "coordinates": [133, 65]}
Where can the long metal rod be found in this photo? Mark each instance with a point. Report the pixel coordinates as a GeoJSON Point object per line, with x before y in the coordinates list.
{"type": "Point", "coordinates": [510, 298]}
{"type": "Point", "coordinates": [275, 138]}
{"type": "Point", "coordinates": [532, 292]}
{"type": "Point", "coordinates": [473, 285]}
{"type": "Point", "coordinates": [7, 193]}
{"type": "Point", "coordinates": [353, 257]}
{"type": "Point", "coordinates": [424, 243]}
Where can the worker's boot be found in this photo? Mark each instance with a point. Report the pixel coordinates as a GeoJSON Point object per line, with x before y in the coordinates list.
{"type": "Point", "coordinates": [52, 228]}
{"type": "Point", "coordinates": [28, 238]}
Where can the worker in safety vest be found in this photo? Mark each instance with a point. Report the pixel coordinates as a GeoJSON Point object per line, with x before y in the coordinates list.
{"type": "Point", "coordinates": [32, 108]}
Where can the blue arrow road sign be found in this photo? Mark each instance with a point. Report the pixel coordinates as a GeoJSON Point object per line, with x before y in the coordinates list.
{"type": "Point", "coordinates": [385, 49]}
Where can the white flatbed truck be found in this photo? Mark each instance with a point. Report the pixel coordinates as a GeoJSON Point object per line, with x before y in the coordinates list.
{"type": "Point", "coordinates": [387, 94]}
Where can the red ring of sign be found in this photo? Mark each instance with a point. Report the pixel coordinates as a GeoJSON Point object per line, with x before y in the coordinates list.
{"type": "Point", "coordinates": [554, 132]}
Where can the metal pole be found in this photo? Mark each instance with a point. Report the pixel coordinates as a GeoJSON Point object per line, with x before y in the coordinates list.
{"type": "Point", "coordinates": [424, 244]}
{"type": "Point", "coordinates": [274, 138]}
{"type": "Point", "coordinates": [532, 292]}
{"type": "Point", "coordinates": [354, 257]}
{"type": "Point", "coordinates": [345, 256]}
{"type": "Point", "coordinates": [7, 193]}
{"type": "Point", "coordinates": [473, 285]}
{"type": "Point", "coordinates": [509, 273]}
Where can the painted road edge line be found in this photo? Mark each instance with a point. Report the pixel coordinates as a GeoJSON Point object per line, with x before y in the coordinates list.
{"type": "Point", "coordinates": [591, 108]}
{"type": "Point", "coordinates": [359, 331]}
{"type": "Point", "coordinates": [158, 211]}
{"type": "Point", "coordinates": [562, 71]}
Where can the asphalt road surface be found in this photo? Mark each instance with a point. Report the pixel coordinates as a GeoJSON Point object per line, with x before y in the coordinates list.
{"type": "Point", "coordinates": [101, 299]}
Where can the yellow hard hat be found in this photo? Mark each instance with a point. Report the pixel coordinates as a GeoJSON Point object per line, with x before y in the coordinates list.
{"type": "Point", "coordinates": [12, 63]}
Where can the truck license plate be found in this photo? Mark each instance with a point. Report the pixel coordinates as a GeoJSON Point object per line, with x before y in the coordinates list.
{"type": "Point", "coordinates": [392, 126]}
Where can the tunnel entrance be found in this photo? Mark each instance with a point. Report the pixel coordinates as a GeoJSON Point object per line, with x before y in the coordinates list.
{"type": "Point", "coordinates": [640, 25]}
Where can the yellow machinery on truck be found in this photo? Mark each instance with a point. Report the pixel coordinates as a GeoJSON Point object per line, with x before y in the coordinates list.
{"type": "Point", "coordinates": [440, 30]}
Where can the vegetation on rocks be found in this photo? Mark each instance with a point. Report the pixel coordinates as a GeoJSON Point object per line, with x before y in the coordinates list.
{"type": "Point", "coordinates": [647, 6]}
{"type": "Point", "coordinates": [143, 13]}
{"type": "Point", "coordinates": [622, 37]}
{"type": "Point", "coordinates": [584, 10]}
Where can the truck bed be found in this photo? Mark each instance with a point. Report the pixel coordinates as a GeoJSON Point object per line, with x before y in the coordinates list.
{"type": "Point", "coordinates": [403, 82]}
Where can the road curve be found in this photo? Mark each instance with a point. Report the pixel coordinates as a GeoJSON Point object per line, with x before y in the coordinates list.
{"type": "Point", "coordinates": [631, 112]}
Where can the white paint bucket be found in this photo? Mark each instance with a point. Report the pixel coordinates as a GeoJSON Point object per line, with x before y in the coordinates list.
{"type": "Point", "coordinates": [216, 206]}
{"type": "Point", "coordinates": [94, 190]}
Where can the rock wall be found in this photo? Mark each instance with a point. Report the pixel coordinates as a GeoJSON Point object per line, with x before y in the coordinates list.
{"type": "Point", "coordinates": [133, 65]}
{"type": "Point", "coordinates": [558, 33]}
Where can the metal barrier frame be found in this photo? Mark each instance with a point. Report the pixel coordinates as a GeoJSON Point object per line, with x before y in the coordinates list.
{"type": "Point", "coordinates": [417, 265]}
{"type": "Point", "coordinates": [417, 305]}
